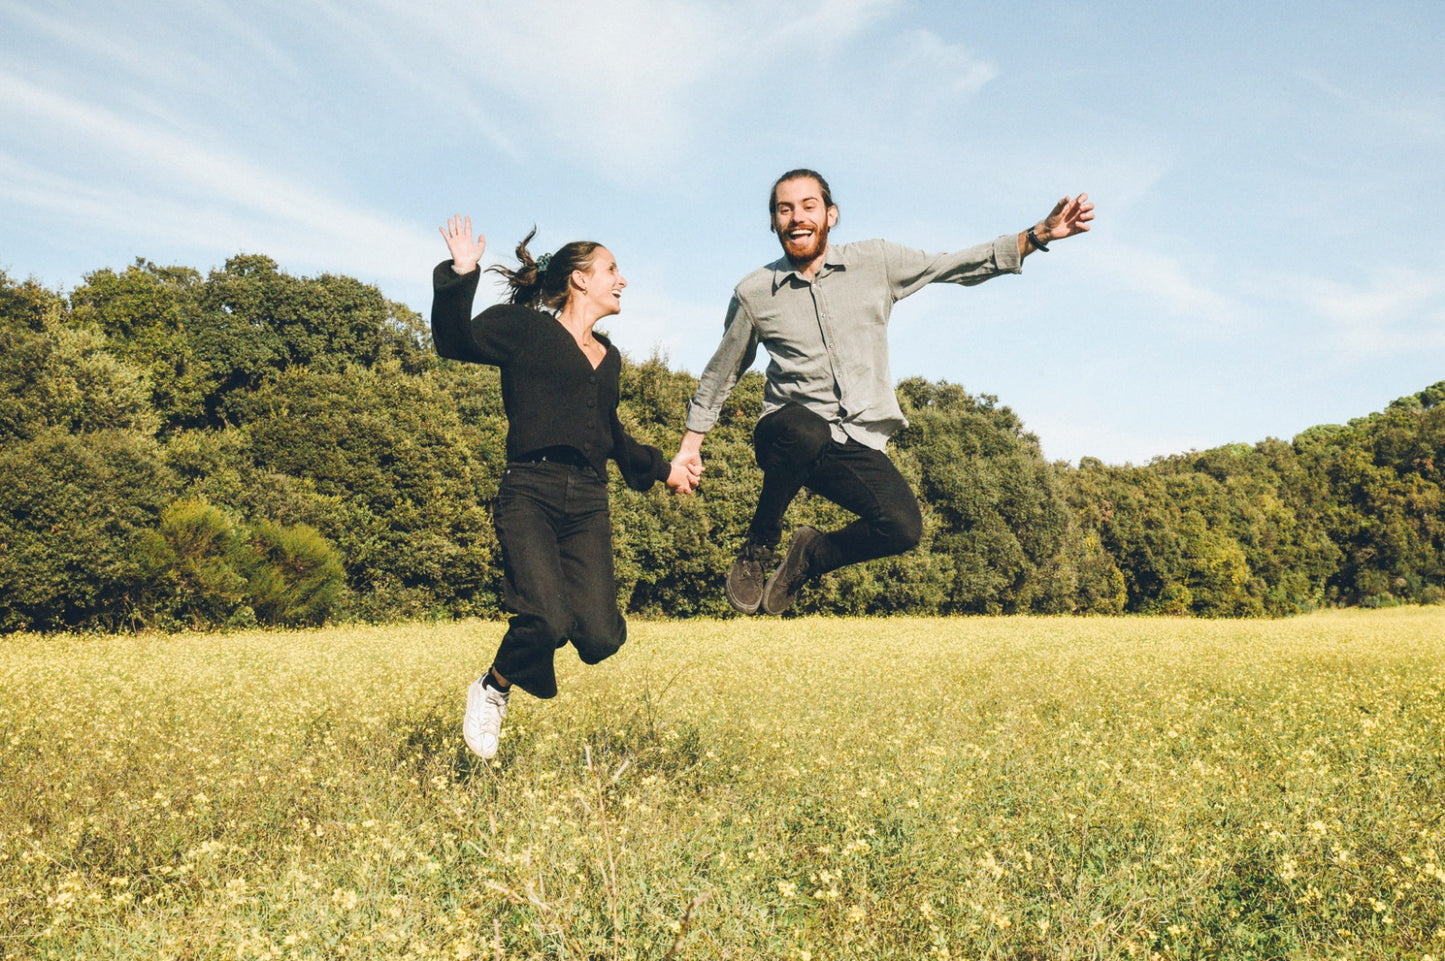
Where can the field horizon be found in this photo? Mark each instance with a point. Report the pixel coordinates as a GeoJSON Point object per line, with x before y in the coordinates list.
{"type": "Point", "coordinates": [808, 788]}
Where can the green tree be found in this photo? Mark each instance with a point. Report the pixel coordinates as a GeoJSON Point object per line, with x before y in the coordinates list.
{"type": "Point", "coordinates": [259, 321]}
{"type": "Point", "coordinates": [1002, 520]}
{"type": "Point", "coordinates": [327, 464]}
{"type": "Point", "coordinates": [201, 569]}
{"type": "Point", "coordinates": [1384, 503]}
{"type": "Point", "coordinates": [397, 482]}
{"type": "Point", "coordinates": [56, 375]}
{"type": "Point", "coordinates": [149, 316]}
{"type": "Point", "coordinates": [667, 553]}
{"type": "Point", "coordinates": [81, 475]}
{"type": "Point", "coordinates": [72, 509]}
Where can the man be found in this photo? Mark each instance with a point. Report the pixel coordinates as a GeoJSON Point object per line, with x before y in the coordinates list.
{"type": "Point", "coordinates": [829, 405]}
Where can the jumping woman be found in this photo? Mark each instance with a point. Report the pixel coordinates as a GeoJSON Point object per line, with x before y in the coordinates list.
{"type": "Point", "coordinates": [560, 393]}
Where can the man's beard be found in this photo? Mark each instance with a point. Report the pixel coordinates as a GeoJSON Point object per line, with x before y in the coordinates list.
{"type": "Point", "coordinates": [811, 252]}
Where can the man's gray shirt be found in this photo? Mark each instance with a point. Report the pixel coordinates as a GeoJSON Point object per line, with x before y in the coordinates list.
{"type": "Point", "coordinates": [828, 340]}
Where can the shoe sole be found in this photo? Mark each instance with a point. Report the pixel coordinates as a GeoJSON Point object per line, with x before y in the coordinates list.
{"type": "Point", "coordinates": [739, 606]}
{"type": "Point", "coordinates": [804, 536]}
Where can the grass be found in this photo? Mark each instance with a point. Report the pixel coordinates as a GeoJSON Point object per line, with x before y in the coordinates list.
{"type": "Point", "coordinates": [803, 789]}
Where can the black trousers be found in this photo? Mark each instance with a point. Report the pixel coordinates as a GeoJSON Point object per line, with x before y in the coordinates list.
{"type": "Point", "coordinates": [796, 449]}
{"type": "Point", "coordinates": [553, 523]}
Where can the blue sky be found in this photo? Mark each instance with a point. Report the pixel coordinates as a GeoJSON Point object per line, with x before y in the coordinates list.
{"type": "Point", "coordinates": [1268, 176]}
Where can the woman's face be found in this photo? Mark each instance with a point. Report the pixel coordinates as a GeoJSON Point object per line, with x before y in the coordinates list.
{"type": "Point", "coordinates": [600, 285]}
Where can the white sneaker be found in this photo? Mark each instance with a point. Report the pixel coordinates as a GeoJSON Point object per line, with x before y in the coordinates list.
{"type": "Point", "coordinates": [482, 725]}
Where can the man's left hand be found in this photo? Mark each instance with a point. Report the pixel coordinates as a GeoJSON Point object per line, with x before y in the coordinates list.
{"type": "Point", "coordinates": [1070, 216]}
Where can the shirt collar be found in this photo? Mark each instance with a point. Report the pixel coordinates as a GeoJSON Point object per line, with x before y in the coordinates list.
{"type": "Point", "coordinates": [834, 258]}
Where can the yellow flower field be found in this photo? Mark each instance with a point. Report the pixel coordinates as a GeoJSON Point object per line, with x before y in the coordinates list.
{"type": "Point", "coordinates": [805, 789]}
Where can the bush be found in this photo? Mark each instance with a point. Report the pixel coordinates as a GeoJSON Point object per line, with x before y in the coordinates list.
{"type": "Point", "coordinates": [295, 576]}
{"type": "Point", "coordinates": [195, 566]}
{"type": "Point", "coordinates": [201, 569]}
{"type": "Point", "coordinates": [73, 508]}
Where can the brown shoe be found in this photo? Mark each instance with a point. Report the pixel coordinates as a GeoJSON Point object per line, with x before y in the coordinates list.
{"type": "Point", "coordinates": [744, 589]}
{"type": "Point", "coordinates": [792, 573]}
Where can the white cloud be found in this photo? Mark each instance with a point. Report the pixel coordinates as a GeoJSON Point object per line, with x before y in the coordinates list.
{"type": "Point", "coordinates": [631, 87]}
{"type": "Point", "coordinates": [80, 35]}
{"type": "Point", "coordinates": [1394, 311]}
{"type": "Point", "coordinates": [158, 50]}
{"type": "Point", "coordinates": [612, 84]}
{"type": "Point", "coordinates": [429, 51]}
{"type": "Point", "coordinates": [1168, 286]}
{"type": "Point", "coordinates": [931, 62]}
{"type": "Point", "coordinates": [156, 184]}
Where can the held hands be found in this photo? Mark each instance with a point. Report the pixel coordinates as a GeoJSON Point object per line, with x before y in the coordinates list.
{"type": "Point", "coordinates": [1070, 216]}
{"type": "Point", "coordinates": [684, 475]}
{"type": "Point", "coordinates": [688, 460]}
{"type": "Point", "coordinates": [466, 252]}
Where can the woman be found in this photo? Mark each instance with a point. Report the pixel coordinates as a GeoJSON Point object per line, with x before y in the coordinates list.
{"type": "Point", "coordinates": [560, 392]}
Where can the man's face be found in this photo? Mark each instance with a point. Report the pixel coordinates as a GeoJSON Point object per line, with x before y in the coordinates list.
{"type": "Point", "coordinates": [801, 219]}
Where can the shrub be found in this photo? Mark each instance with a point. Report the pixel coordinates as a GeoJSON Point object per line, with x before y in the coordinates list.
{"type": "Point", "coordinates": [73, 508]}
{"type": "Point", "coordinates": [194, 566]}
{"type": "Point", "coordinates": [295, 577]}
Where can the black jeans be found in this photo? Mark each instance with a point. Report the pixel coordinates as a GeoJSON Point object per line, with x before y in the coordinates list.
{"type": "Point", "coordinates": [556, 534]}
{"type": "Point", "coordinates": [796, 449]}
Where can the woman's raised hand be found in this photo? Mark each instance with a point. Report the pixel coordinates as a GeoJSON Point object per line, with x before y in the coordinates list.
{"type": "Point", "coordinates": [466, 252]}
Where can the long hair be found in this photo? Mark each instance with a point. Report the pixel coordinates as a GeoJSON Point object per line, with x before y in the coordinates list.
{"type": "Point", "coordinates": [533, 287]}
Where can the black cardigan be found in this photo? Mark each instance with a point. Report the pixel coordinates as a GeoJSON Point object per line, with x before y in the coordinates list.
{"type": "Point", "coordinates": [551, 393]}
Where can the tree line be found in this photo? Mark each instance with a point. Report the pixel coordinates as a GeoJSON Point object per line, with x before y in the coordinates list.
{"type": "Point", "coordinates": [250, 447]}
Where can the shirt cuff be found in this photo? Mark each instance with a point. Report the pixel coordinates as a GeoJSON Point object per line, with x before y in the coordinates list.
{"type": "Point", "coordinates": [1006, 254]}
{"type": "Point", "coordinates": [699, 418]}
